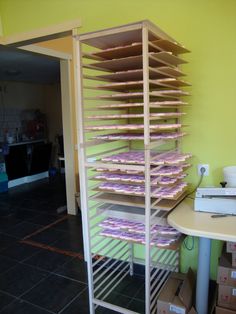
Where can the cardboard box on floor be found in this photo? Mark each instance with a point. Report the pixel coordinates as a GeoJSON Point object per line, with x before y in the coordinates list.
{"type": "Point", "coordinates": [231, 247]}
{"type": "Point", "coordinates": [227, 297]}
{"type": "Point", "coordinates": [177, 294]}
{"type": "Point", "coordinates": [222, 310]}
{"type": "Point", "coordinates": [226, 272]}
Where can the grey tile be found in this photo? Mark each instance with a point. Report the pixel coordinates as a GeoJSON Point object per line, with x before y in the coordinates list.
{"type": "Point", "coordinates": [20, 279]}
{"type": "Point", "coordinates": [6, 241]}
{"type": "Point", "coordinates": [21, 307]}
{"type": "Point", "coordinates": [137, 306]}
{"type": "Point", "coordinates": [48, 236]}
{"type": "Point", "coordinates": [75, 269]}
{"type": "Point", "coordinates": [5, 300]}
{"type": "Point", "coordinates": [54, 293]}
{"type": "Point", "coordinates": [44, 219]}
{"type": "Point", "coordinates": [47, 260]}
{"type": "Point", "coordinates": [79, 305]}
{"type": "Point", "coordinates": [6, 263]}
{"type": "Point", "coordinates": [22, 230]}
{"type": "Point", "coordinates": [20, 251]}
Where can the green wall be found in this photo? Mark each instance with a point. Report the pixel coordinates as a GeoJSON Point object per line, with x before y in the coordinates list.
{"type": "Point", "coordinates": [206, 27]}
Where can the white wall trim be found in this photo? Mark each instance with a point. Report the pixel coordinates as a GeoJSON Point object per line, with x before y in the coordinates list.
{"type": "Point", "coordinates": [28, 179]}
{"type": "Point", "coordinates": [47, 52]}
{"type": "Point", "coordinates": [41, 34]}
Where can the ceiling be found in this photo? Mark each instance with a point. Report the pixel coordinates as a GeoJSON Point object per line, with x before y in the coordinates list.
{"type": "Point", "coordinates": [21, 66]}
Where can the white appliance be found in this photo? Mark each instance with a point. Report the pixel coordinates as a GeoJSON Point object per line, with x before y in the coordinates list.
{"type": "Point", "coordinates": [216, 200]}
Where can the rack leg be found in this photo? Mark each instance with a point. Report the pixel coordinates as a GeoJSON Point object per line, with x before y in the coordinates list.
{"type": "Point", "coordinates": [131, 260]}
{"type": "Point", "coordinates": [203, 274]}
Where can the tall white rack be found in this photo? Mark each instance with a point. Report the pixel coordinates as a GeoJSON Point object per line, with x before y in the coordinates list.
{"type": "Point", "coordinates": [129, 108]}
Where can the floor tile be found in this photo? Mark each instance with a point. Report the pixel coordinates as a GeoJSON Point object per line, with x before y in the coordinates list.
{"type": "Point", "coordinates": [6, 241]}
{"type": "Point", "coordinates": [103, 310]}
{"type": "Point", "coordinates": [29, 204]}
{"type": "Point", "coordinates": [74, 269]}
{"type": "Point", "coordinates": [47, 260]}
{"type": "Point", "coordinates": [20, 251]}
{"type": "Point", "coordinates": [71, 242]}
{"type": "Point", "coordinates": [6, 263]}
{"type": "Point", "coordinates": [129, 286]}
{"type": "Point", "coordinates": [137, 306]}
{"type": "Point", "coordinates": [5, 300]}
{"type": "Point", "coordinates": [23, 229]}
{"type": "Point", "coordinates": [26, 214]}
{"type": "Point", "coordinates": [44, 219]}
{"type": "Point", "coordinates": [20, 278]}
{"type": "Point", "coordinates": [48, 236]}
{"type": "Point", "coordinates": [71, 223]}
{"type": "Point", "coordinates": [9, 222]}
{"type": "Point", "coordinates": [118, 299]}
{"type": "Point", "coordinates": [21, 307]}
{"type": "Point", "coordinates": [54, 293]}
{"type": "Point", "coordinates": [80, 305]}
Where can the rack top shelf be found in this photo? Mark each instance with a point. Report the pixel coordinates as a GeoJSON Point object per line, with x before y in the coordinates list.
{"type": "Point", "coordinates": [135, 49]}
{"type": "Point", "coordinates": [123, 35]}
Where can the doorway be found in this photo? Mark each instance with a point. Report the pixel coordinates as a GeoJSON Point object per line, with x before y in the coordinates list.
{"type": "Point", "coordinates": [62, 60]}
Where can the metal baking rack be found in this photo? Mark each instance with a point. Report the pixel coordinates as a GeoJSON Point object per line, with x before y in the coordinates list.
{"type": "Point", "coordinates": [128, 80]}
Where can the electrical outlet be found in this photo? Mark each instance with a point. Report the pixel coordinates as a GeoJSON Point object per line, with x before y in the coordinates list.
{"type": "Point", "coordinates": [205, 166]}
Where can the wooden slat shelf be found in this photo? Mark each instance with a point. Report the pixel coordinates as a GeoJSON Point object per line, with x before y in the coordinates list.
{"type": "Point", "coordinates": [137, 201]}
{"type": "Point", "coordinates": [136, 49]}
{"type": "Point", "coordinates": [160, 138]}
{"type": "Point", "coordinates": [161, 127]}
{"type": "Point", "coordinates": [135, 95]}
{"type": "Point", "coordinates": [156, 104]}
{"type": "Point", "coordinates": [125, 96]}
{"type": "Point", "coordinates": [176, 197]}
{"type": "Point", "coordinates": [137, 85]}
{"type": "Point", "coordinates": [133, 213]}
{"type": "Point", "coordinates": [173, 247]}
{"type": "Point", "coordinates": [133, 75]}
{"type": "Point", "coordinates": [141, 172]}
{"type": "Point", "coordinates": [135, 62]}
{"type": "Point", "coordinates": [170, 46]}
{"type": "Point", "coordinates": [153, 183]}
{"type": "Point", "coordinates": [156, 116]}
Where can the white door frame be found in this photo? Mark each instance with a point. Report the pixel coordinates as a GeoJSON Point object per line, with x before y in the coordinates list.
{"type": "Point", "coordinates": [24, 41]}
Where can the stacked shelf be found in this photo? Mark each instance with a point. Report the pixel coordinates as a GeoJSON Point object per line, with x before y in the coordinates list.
{"type": "Point", "coordinates": [131, 167]}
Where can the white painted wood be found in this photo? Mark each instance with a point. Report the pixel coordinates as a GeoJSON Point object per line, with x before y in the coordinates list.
{"type": "Point", "coordinates": [41, 34]}
{"type": "Point", "coordinates": [47, 52]}
{"type": "Point", "coordinates": [28, 179]}
{"type": "Point", "coordinates": [68, 136]}
{"type": "Point", "coordinates": [81, 161]}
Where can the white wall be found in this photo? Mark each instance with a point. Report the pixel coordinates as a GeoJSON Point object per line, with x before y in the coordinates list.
{"type": "Point", "coordinates": [17, 96]}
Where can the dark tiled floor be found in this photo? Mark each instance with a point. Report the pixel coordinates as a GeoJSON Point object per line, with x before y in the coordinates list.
{"type": "Point", "coordinates": [48, 274]}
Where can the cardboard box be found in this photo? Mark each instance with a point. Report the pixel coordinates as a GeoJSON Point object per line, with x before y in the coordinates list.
{"type": "Point", "coordinates": [227, 297]}
{"type": "Point", "coordinates": [222, 310]}
{"type": "Point", "coordinates": [226, 272]}
{"type": "Point", "coordinates": [176, 295]}
{"type": "Point", "coordinates": [234, 259]}
{"type": "Point", "coordinates": [231, 247]}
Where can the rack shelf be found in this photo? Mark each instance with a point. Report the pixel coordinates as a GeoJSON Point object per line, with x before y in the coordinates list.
{"type": "Point", "coordinates": [130, 91]}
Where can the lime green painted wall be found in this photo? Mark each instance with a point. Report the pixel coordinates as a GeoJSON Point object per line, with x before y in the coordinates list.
{"type": "Point", "coordinates": [206, 27]}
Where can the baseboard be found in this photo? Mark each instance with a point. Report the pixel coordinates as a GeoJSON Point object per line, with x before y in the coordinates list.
{"type": "Point", "coordinates": [28, 179]}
